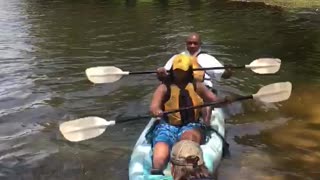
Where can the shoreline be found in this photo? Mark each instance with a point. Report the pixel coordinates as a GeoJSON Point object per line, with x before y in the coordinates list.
{"type": "Point", "coordinates": [287, 3]}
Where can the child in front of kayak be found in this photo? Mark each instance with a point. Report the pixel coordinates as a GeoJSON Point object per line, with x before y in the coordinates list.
{"type": "Point", "coordinates": [180, 91]}
{"type": "Point", "coordinates": [187, 162]}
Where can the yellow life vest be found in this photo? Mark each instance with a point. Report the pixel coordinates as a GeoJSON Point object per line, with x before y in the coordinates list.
{"type": "Point", "coordinates": [197, 75]}
{"type": "Point", "coordinates": [178, 98]}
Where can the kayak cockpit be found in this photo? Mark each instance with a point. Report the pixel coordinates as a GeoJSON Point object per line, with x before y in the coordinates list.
{"type": "Point", "coordinates": [141, 158]}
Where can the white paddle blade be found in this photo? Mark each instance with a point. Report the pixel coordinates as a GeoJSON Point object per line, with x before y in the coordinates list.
{"type": "Point", "coordinates": [104, 74]}
{"type": "Point", "coordinates": [274, 92]}
{"type": "Point", "coordinates": [265, 65]}
{"type": "Point", "coordinates": [84, 128]}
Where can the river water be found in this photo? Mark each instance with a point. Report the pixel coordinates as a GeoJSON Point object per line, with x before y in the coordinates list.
{"type": "Point", "coordinates": [45, 47]}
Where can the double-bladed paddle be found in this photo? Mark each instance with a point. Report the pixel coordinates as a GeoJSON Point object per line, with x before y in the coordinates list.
{"type": "Point", "coordinates": [109, 74]}
{"type": "Point", "coordinates": [90, 127]}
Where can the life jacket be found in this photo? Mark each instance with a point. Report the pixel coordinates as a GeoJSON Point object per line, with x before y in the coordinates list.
{"type": "Point", "coordinates": [177, 98]}
{"type": "Point", "coordinates": [197, 75]}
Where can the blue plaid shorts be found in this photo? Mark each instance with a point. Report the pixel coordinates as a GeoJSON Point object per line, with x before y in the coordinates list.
{"type": "Point", "coordinates": [170, 134]}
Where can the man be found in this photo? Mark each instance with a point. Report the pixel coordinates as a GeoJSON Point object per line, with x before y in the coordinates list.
{"type": "Point", "coordinates": [204, 60]}
{"type": "Point", "coordinates": [180, 90]}
{"type": "Point", "coordinates": [193, 48]}
{"type": "Point", "coordinates": [187, 162]}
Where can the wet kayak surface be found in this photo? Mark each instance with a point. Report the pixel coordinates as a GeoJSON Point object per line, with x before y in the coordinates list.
{"type": "Point", "coordinates": [45, 47]}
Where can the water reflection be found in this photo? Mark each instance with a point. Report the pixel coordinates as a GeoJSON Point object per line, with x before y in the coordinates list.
{"type": "Point", "coordinates": [296, 144]}
{"type": "Point", "coordinates": [281, 148]}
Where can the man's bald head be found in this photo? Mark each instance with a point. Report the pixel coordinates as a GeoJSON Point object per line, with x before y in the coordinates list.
{"type": "Point", "coordinates": [194, 37]}
{"type": "Point", "coordinates": [193, 43]}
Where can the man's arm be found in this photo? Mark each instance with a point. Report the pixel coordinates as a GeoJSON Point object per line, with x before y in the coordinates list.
{"type": "Point", "coordinates": [205, 93]}
{"type": "Point", "coordinates": [206, 61]}
{"type": "Point", "coordinates": [158, 95]}
{"type": "Point", "coordinates": [227, 73]}
{"type": "Point", "coordinates": [168, 65]}
{"type": "Point", "coordinates": [162, 71]}
{"type": "Point", "coordinates": [209, 97]}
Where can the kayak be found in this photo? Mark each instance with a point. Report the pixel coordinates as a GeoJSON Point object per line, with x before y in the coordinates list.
{"type": "Point", "coordinates": [141, 158]}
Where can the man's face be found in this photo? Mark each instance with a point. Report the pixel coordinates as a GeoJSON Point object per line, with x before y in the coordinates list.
{"type": "Point", "coordinates": [193, 44]}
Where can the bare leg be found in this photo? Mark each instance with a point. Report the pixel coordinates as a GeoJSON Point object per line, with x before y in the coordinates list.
{"type": "Point", "coordinates": [216, 174]}
{"type": "Point", "coordinates": [206, 111]}
{"type": "Point", "coordinates": [160, 155]}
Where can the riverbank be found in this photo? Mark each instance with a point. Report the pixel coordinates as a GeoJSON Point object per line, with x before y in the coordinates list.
{"type": "Point", "coordinates": [289, 3]}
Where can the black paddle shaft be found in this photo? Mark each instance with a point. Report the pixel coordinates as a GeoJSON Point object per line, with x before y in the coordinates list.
{"type": "Point", "coordinates": [213, 104]}
{"type": "Point", "coordinates": [143, 72]}
{"type": "Point", "coordinates": [196, 69]}
{"type": "Point", "coordinates": [223, 67]}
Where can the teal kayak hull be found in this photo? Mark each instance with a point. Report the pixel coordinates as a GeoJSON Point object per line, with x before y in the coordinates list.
{"type": "Point", "coordinates": [141, 163]}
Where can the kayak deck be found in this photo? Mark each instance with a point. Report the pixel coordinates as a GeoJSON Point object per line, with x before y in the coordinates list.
{"type": "Point", "coordinates": [141, 162]}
